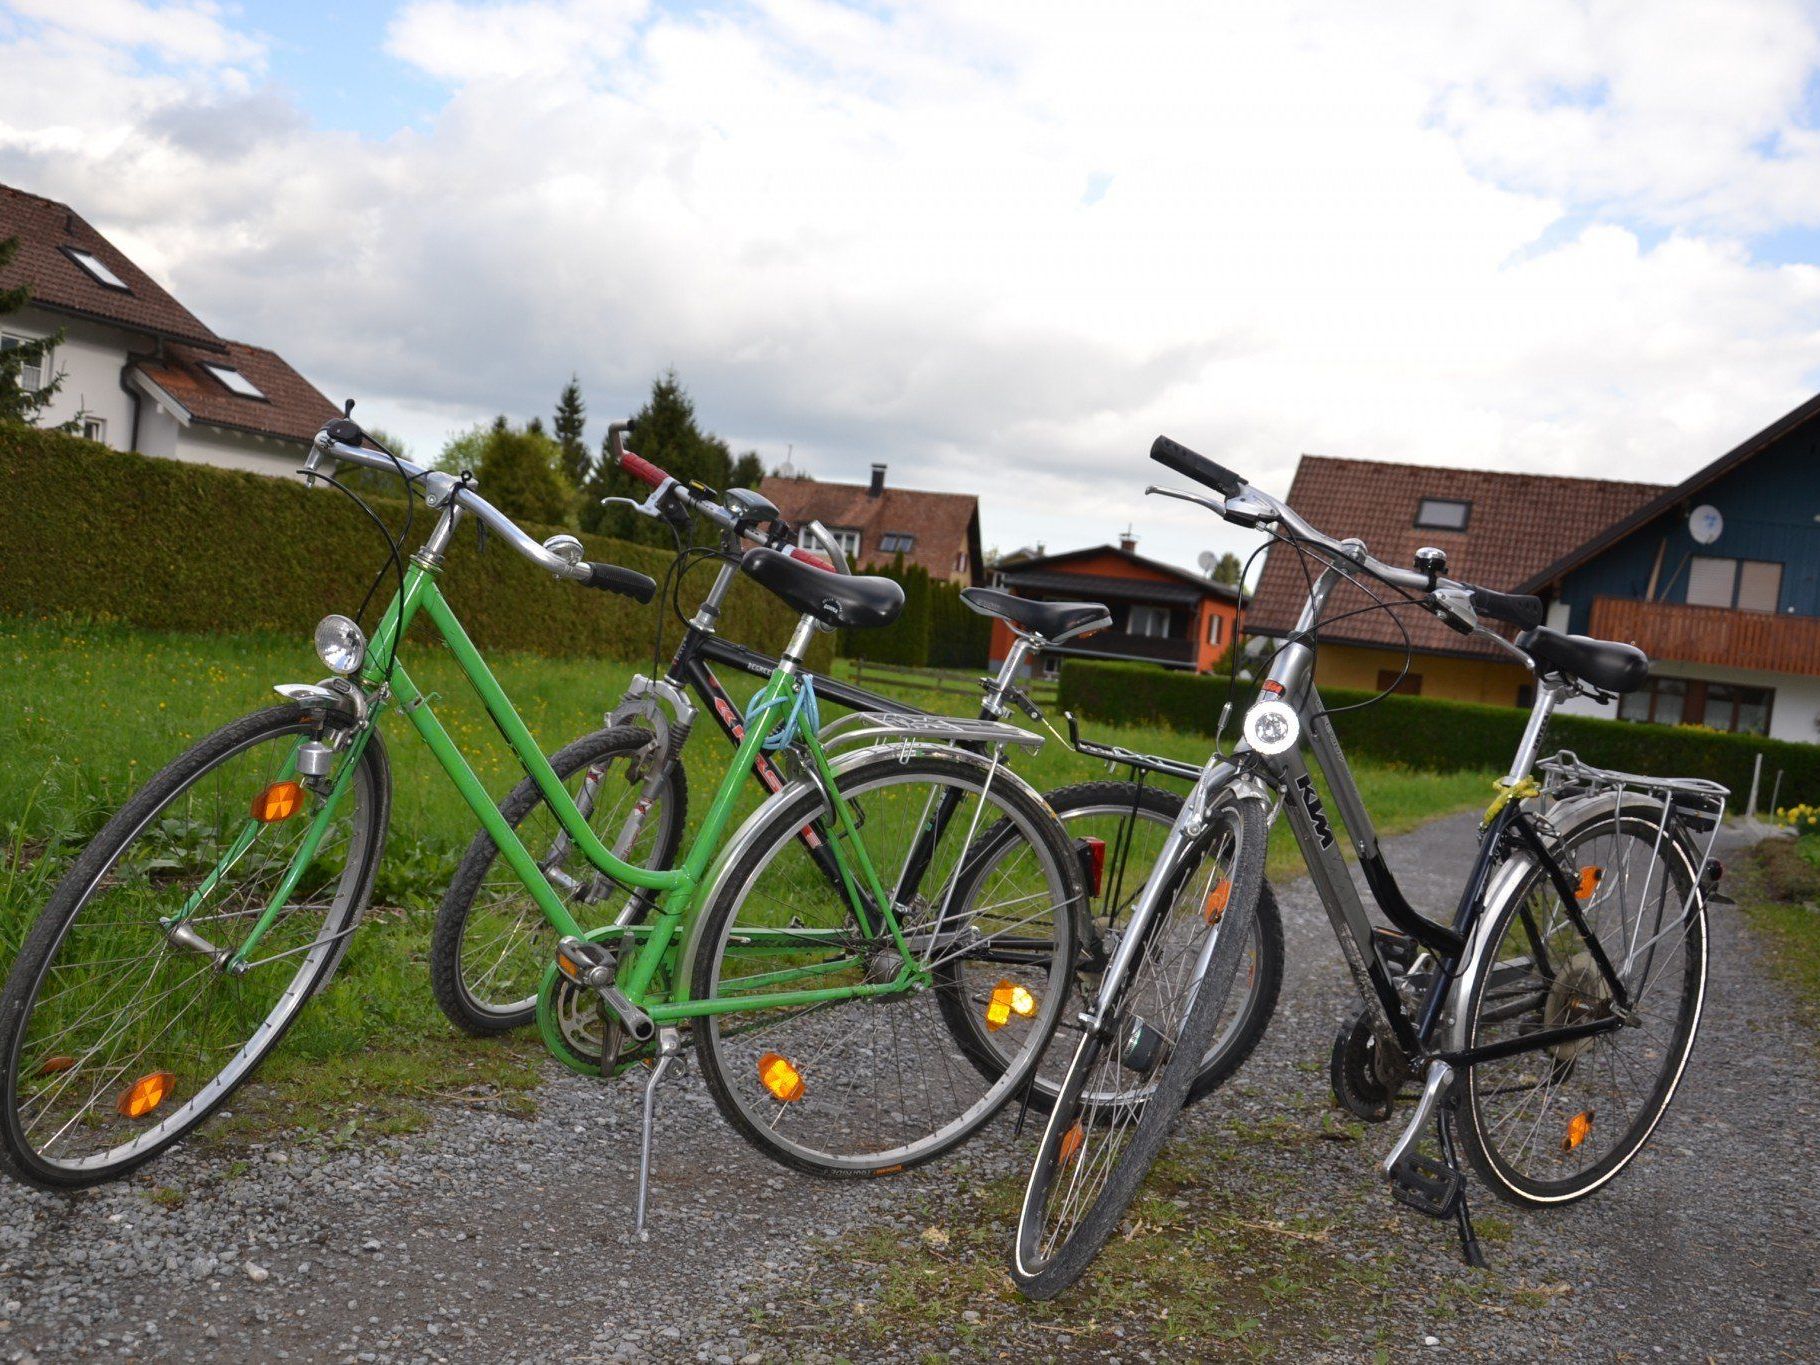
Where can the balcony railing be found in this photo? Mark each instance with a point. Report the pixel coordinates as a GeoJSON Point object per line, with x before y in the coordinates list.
{"type": "Point", "coordinates": [1670, 631]}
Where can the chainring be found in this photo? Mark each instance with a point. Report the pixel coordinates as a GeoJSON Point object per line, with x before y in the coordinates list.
{"type": "Point", "coordinates": [1365, 1077]}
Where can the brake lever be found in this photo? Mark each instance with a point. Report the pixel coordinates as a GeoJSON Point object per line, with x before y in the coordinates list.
{"type": "Point", "coordinates": [1217, 506]}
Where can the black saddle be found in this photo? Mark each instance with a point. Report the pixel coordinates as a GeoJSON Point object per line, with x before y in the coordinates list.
{"type": "Point", "coordinates": [1054, 621]}
{"type": "Point", "coordinates": [1606, 664]}
{"type": "Point", "coordinates": [832, 598]}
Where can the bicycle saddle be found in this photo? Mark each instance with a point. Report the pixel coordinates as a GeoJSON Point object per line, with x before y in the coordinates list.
{"type": "Point", "coordinates": [831, 598]}
{"type": "Point", "coordinates": [1054, 621]}
{"type": "Point", "coordinates": [1606, 664]}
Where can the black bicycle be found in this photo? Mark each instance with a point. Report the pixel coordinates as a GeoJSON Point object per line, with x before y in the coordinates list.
{"type": "Point", "coordinates": [1547, 1023]}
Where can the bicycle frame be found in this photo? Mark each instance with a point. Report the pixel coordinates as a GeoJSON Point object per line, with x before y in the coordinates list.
{"type": "Point", "coordinates": [391, 684]}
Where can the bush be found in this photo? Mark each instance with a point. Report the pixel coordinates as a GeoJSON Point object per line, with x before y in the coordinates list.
{"type": "Point", "coordinates": [1446, 736]}
{"type": "Point", "coordinates": [906, 640]}
{"type": "Point", "coordinates": [177, 546]}
{"type": "Point", "coordinates": [959, 637]}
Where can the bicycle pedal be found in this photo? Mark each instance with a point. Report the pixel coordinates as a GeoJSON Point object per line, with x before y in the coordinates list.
{"type": "Point", "coordinates": [578, 959]}
{"type": "Point", "coordinates": [1428, 1186]}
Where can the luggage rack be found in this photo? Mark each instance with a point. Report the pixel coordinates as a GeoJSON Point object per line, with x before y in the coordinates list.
{"type": "Point", "coordinates": [1693, 802]}
{"type": "Point", "coordinates": [1127, 758]}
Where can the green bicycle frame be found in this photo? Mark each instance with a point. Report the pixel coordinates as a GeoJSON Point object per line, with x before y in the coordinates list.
{"type": "Point", "coordinates": [391, 684]}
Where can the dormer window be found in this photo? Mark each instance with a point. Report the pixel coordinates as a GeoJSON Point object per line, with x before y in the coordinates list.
{"type": "Point", "coordinates": [97, 269]}
{"type": "Point", "coordinates": [896, 542]}
{"type": "Point", "coordinates": [234, 381]}
{"type": "Point", "coordinates": [1442, 514]}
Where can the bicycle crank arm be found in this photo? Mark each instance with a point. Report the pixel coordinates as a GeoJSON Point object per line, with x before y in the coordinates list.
{"type": "Point", "coordinates": [1440, 1076]}
{"type": "Point", "coordinates": [594, 966]}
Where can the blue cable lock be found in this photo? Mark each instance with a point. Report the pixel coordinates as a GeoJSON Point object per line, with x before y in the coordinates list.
{"type": "Point", "coordinates": [804, 711]}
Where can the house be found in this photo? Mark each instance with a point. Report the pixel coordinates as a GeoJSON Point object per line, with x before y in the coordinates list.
{"type": "Point", "coordinates": [1717, 579]}
{"type": "Point", "coordinates": [1160, 614]}
{"type": "Point", "coordinates": [142, 372]}
{"type": "Point", "coordinates": [875, 524]}
{"type": "Point", "coordinates": [1499, 530]}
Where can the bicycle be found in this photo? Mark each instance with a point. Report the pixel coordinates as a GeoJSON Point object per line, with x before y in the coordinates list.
{"type": "Point", "coordinates": [492, 946]}
{"type": "Point", "coordinates": [1547, 1023]}
{"type": "Point", "coordinates": [185, 940]}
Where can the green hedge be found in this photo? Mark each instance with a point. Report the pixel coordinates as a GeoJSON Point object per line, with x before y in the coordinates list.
{"type": "Point", "coordinates": [176, 546]}
{"type": "Point", "coordinates": [1447, 736]}
{"type": "Point", "coordinates": [959, 637]}
{"type": "Point", "coordinates": [906, 640]}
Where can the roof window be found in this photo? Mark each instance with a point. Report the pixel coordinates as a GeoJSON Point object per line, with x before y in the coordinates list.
{"type": "Point", "coordinates": [1443, 514]}
{"type": "Point", "coordinates": [97, 268]}
{"type": "Point", "coordinates": [234, 381]}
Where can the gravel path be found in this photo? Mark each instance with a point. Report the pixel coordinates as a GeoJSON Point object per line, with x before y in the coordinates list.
{"type": "Point", "coordinates": [495, 1238]}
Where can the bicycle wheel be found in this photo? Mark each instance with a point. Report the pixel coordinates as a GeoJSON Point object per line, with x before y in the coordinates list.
{"type": "Point", "coordinates": [1553, 1125]}
{"type": "Point", "coordinates": [874, 1084]}
{"type": "Point", "coordinates": [491, 942]}
{"type": "Point", "coordinates": [119, 1035]}
{"type": "Point", "coordinates": [1132, 821]}
{"type": "Point", "coordinates": [1127, 1081]}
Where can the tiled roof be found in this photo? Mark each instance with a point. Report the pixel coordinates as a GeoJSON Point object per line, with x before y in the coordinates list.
{"type": "Point", "coordinates": [44, 229]}
{"type": "Point", "coordinates": [293, 408]}
{"type": "Point", "coordinates": [944, 524]}
{"type": "Point", "coordinates": [1094, 587]}
{"type": "Point", "coordinates": [1519, 524]}
{"type": "Point", "coordinates": [1203, 586]}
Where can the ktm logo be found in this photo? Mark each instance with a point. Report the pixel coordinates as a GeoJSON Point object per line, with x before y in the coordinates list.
{"type": "Point", "coordinates": [1311, 801]}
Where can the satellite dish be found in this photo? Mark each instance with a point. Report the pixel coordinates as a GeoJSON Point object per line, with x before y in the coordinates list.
{"type": "Point", "coordinates": [1704, 524]}
{"type": "Point", "coordinates": [1208, 561]}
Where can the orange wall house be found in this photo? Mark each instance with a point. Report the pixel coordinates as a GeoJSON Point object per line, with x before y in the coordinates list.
{"type": "Point", "coordinates": [1160, 614]}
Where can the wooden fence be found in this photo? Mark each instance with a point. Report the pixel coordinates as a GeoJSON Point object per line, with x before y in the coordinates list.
{"type": "Point", "coordinates": [889, 678]}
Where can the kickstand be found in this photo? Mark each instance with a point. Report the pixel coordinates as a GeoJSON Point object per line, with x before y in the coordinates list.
{"type": "Point", "coordinates": [1469, 1241]}
{"type": "Point", "coordinates": [669, 1047]}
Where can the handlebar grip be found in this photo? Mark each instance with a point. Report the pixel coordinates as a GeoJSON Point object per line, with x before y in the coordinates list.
{"type": "Point", "coordinates": [810, 557]}
{"type": "Point", "coordinates": [626, 582]}
{"type": "Point", "coordinates": [1515, 608]}
{"type": "Point", "coordinates": [1173, 455]}
{"type": "Point", "coordinates": [642, 469]}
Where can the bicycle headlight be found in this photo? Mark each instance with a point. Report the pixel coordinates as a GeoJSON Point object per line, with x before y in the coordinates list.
{"type": "Point", "coordinates": [340, 644]}
{"type": "Point", "coordinates": [1271, 727]}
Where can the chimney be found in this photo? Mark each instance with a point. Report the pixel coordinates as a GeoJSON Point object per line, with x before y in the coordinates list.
{"type": "Point", "coordinates": [1127, 541]}
{"type": "Point", "coordinates": [878, 481]}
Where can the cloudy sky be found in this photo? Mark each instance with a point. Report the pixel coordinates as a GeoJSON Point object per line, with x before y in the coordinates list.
{"type": "Point", "coordinates": [999, 246]}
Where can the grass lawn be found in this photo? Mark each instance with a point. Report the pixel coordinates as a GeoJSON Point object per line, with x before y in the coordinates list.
{"type": "Point", "coordinates": [1780, 894]}
{"type": "Point", "coordinates": [92, 710]}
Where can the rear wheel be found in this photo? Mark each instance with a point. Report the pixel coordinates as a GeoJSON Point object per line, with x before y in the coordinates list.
{"type": "Point", "coordinates": [120, 1027]}
{"type": "Point", "coordinates": [1553, 1125]}
{"type": "Point", "coordinates": [876, 1083]}
{"type": "Point", "coordinates": [491, 942]}
{"type": "Point", "coordinates": [1132, 821]}
{"type": "Point", "coordinates": [1127, 1081]}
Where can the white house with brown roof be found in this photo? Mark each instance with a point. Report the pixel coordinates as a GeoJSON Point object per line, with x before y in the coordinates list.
{"type": "Point", "coordinates": [875, 523]}
{"type": "Point", "coordinates": [140, 371]}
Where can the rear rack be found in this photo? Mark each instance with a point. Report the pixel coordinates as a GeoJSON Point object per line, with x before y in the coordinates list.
{"type": "Point", "coordinates": [1695, 803]}
{"type": "Point", "coordinates": [1128, 758]}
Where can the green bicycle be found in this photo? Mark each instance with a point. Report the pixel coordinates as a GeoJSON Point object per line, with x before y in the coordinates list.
{"type": "Point", "coordinates": [185, 940]}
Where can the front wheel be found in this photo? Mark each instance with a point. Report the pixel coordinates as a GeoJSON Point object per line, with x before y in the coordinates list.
{"type": "Point", "coordinates": [1552, 1125]}
{"type": "Point", "coordinates": [140, 999]}
{"type": "Point", "coordinates": [981, 880]}
{"type": "Point", "coordinates": [1128, 1078]}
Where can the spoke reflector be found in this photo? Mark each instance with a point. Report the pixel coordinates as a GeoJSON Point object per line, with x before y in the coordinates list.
{"type": "Point", "coordinates": [1008, 998]}
{"type": "Point", "coordinates": [1577, 1128]}
{"type": "Point", "coordinates": [1589, 882]}
{"type": "Point", "coordinates": [778, 1076]}
{"type": "Point", "coordinates": [280, 801]}
{"type": "Point", "coordinates": [1216, 901]}
{"type": "Point", "coordinates": [1072, 1141]}
{"type": "Point", "coordinates": [145, 1094]}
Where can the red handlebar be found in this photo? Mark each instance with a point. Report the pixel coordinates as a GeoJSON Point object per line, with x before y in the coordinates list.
{"type": "Point", "coordinates": [642, 469]}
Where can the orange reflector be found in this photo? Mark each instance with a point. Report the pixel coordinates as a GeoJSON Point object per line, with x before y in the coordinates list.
{"type": "Point", "coordinates": [1216, 901]}
{"type": "Point", "coordinates": [780, 1078]}
{"type": "Point", "coordinates": [1577, 1128]}
{"type": "Point", "coordinates": [280, 801]}
{"type": "Point", "coordinates": [145, 1094]}
{"type": "Point", "coordinates": [1008, 999]}
{"type": "Point", "coordinates": [52, 1065]}
{"type": "Point", "coordinates": [1072, 1141]}
{"type": "Point", "coordinates": [1589, 881]}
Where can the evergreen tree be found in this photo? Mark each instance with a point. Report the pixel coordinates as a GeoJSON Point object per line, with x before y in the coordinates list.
{"type": "Point", "coordinates": [519, 472]}
{"type": "Point", "coordinates": [748, 471]}
{"type": "Point", "coordinates": [18, 402]}
{"type": "Point", "coordinates": [1228, 569]}
{"type": "Point", "coordinates": [571, 418]}
{"type": "Point", "coordinates": [668, 437]}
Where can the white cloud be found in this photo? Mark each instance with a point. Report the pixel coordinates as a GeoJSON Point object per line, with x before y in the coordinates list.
{"type": "Point", "coordinates": [1001, 247]}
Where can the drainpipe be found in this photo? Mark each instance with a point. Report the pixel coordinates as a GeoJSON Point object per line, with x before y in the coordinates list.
{"type": "Point", "coordinates": [126, 387]}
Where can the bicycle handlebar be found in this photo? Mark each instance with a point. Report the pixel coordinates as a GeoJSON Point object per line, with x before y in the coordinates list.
{"type": "Point", "coordinates": [1244, 505]}
{"type": "Point", "coordinates": [442, 487]}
